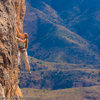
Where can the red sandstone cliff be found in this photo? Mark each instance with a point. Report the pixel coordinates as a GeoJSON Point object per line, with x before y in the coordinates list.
{"type": "Point", "coordinates": [11, 14]}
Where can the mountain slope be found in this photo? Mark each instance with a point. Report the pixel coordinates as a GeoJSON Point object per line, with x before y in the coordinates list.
{"type": "Point", "coordinates": [51, 40]}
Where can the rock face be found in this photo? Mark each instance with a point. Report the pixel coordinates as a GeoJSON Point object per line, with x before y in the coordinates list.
{"type": "Point", "coordinates": [1, 91]}
{"type": "Point", "coordinates": [11, 12]}
{"type": "Point", "coordinates": [20, 10]}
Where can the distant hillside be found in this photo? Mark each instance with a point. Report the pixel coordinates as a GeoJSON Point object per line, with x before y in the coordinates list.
{"type": "Point", "coordinates": [80, 16]}
{"type": "Point", "coordinates": [89, 93]}
{"type": "Point", "coordinates": [58, 33]}
{"type": "Point", "coordinates": [50, 75]}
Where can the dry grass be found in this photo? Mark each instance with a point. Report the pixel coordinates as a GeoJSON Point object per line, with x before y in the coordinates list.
{"type": "Point", "coordinates": [87, 93]}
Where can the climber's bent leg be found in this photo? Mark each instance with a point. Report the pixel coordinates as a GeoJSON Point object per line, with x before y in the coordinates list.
{"type": "Point", "coordinates": [19, 61]}
{"type": "Point", "coordinates": [27, 66]}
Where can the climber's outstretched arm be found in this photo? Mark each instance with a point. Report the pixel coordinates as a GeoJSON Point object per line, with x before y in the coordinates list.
{"type": "Point", "coordinates": [19, 34]}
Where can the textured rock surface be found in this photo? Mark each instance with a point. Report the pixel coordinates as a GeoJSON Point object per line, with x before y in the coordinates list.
{"type": "Point", "coordinates": [2, 91]}
{"type": "Point", "coordinates": [20, 10]}
{"type": "Point", "coordinates": [10, 13]}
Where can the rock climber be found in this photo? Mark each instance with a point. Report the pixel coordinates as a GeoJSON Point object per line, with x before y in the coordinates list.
{"type": "Point", "coordinates": [22, 49]}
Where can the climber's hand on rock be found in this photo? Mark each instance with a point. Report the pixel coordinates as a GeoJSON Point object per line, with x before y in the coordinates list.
{"type": "Point", "coordinates": [17, 38]}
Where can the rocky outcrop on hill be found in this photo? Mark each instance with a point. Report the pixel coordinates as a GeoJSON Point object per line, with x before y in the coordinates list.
{"type": "Point", "coordinates": [11, 11]}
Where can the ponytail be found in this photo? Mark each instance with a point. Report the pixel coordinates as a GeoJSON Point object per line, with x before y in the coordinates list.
{"type": "Point", "coordinates": [26, 44]}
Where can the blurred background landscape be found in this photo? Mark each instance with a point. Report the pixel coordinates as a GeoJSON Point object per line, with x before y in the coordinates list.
{"type": "Point", "coordinates": [64, 38]}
